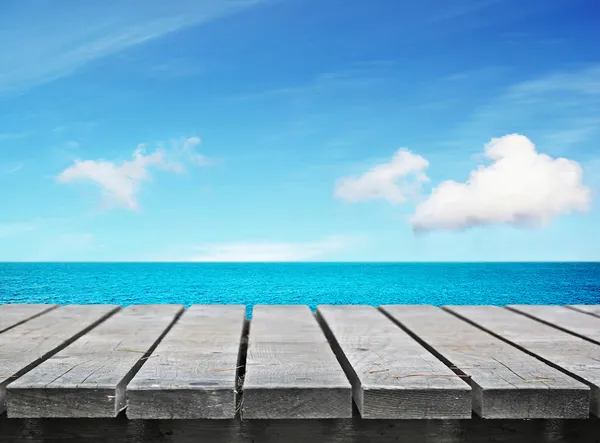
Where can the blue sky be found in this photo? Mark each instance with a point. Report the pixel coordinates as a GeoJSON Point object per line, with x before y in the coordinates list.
{"type": "Point", "coordinates": [276, 130]}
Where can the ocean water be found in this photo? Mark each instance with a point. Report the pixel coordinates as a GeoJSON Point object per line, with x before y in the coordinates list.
{"type": "Point", "coordinates": [301, 283]}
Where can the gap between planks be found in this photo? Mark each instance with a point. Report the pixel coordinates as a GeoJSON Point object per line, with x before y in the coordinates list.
{"type": "Point", "coordinates": [392, 375]}
{"type": "Point", "coordinates": [88, 378]}
{"type": "Point", "coordinates": [241, 367]}
{"type": "Point", "coordinates": [507, 383]}
{"type": "Point", "coordinates": [574, 369]}
{"type": "Point", "coordinates": [580, 324]}
{"type": "Point", "coordinates": [13, 315]}
{"type": "Point", "coordinates": [29, 362]}
{"type": "Point", "coordinates": [196, 364]}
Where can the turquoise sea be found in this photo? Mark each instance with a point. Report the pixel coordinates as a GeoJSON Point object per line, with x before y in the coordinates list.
{"type": "Point", "coordinates": [301, 283]}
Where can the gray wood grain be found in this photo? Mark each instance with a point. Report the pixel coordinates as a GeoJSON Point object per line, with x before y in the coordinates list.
{"type": "Point", "coordinates": [291, 371]}
{"type": "Point", "coordinates": [393, 376]}
{"type": "Point", "coordinates": [569, 353]}
{"type": "Point", "coordinates": [88, 377]}
{"type": "Point", "coordinates": [192, 374]}
{"type": "Point", "coordinates": [588, 309]}
{"type": "Point", "coordinates": [29, 343]}
{"type": "Point", "coordinates": [506, 382]}
{"type": "Point", "coordinates": [13, 315]}
{"type": "Point", "coordinates": [583, 325]}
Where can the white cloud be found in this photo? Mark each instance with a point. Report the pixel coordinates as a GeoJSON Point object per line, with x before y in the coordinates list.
{"type": "Point", "coordinates": [189, 150]}
{"type": "Point", "coordinates": [521, 187]}
{"type": "Point", "coordinates": [394, 181]}
{"type": "Point", "coordinates": [268, 251]}
{"type": "Point", "coordinates": [119, 183]}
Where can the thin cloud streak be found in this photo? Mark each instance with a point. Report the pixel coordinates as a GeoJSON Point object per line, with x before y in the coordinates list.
{"type": "Point", "coordinates": [562, 109]}
{"type": "Point", "coordinates": [48, 41]}
{"type": "Point", "coordinates": [11, 169]}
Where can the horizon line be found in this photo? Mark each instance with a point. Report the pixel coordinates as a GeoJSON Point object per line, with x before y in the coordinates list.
{"type": "Point", "coordinates": [302, 262]}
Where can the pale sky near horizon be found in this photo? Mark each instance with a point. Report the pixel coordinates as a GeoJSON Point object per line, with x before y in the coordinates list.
{"type": "Point", "coordinates": [299, 130]}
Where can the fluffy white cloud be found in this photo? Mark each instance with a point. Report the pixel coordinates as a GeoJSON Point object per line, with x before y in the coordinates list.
{"type": "Point", "coordinates": [268, 251]}
{"type": "Point", "coordinates": [393, 181]}
{"type": "Point", "coordinates": [521, 187]}
{"type": "Point", "coordinates": [120, 183]}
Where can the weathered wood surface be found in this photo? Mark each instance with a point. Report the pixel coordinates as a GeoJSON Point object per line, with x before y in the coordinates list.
{"type": "Point", "coordinates": [26, 345]}
{"type": "Point", "coordinates": [193, 372]}
{"type": "Point", "coordinates": [588, 309]}
{"type": "Point", "coordinates": [393, 376]}
{"type": "Point", "coordinates": [353, 430]}
{"type": "Point", "coordinates": [88, 378]}
{"type": "Point", "coordinates": [569, 353]}
{"type": "Point", "coordinates": [291, 371]}
{"type": "Point", "coordinates": [583, 325]}
{"type": "Point", "coordinates": [70, 362]}
{"type": "Point", "coordinates": [506, 382]}
{"type": "Point", "coordinates": [13, 315]}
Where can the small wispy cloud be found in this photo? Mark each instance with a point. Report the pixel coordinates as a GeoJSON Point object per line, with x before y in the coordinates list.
{"type": "Point", "coordinates": [393, 181]}
{"type": "Point", "coordinates": [268, 251]}
{"type": "Point", "coordinates": [585, 81]}
{"type": "Point", "coordinates": [580, 131]}
{"type": "Point", "coordinates": [188, 149]}
{"type": "Point", "coordinates": [120, 183]}
{"type": "Point", "coordinates": [11, 168]}
{"type": "Point", "coordinates": [357, 75]}
{"type": "Point", "coordinates": [521, 187]}
{"type": "Point", "coordinates": [561, 108]}
{"type": "Point", "coordinates": [484, 72]}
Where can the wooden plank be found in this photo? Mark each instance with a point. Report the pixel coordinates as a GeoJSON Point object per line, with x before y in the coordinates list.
{"type": "Point", "coordinates": [393, 376]}
{"type": "Point", "coordinates": [583, 325]}
{"type": "Point", "coordinates": [26, 345]}
{"type": "Point", "coordinates": [291, 371]}
{"type": "Point", "coordinates": [192, 374]}
{"type": "Point", "coordinates": [588, 309]}
{"type": "Point", "coordinates": [88, 378]}
{"type": "Point", "coordinates": [13, 315]}
{"type": "Point", "coordinates": [506, 382]}
{"type": "Point", "coordinates": [569, 353]}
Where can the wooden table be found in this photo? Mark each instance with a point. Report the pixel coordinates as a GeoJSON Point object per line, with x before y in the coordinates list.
{"type": "Point", "coordinates": [163, 373]}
